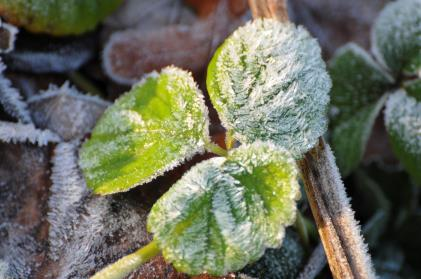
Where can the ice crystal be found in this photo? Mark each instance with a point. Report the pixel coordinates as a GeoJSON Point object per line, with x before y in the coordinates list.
{"type": "Point", "coordinates": [396, 37]}
{"type": "Point", "coordinates": [68, 191]}
{"type": "Point", "coordinates": [269, 82]}
{"type": "Point", "coordinates": [66, 111]}
{"type": "Point", "coordinates": [149, 130]}
{"type": "Point", "coordinates": [106, 229]}
{"type": "Point", "coordinates": [11, 99]}
{"type": "Point", "coordinates": [87, 232]}
{"type": "Point", "coordinates": [16, 253]}
{"type": "Point", "coordinates": [8, 34]}
{"type": "Point", "coordinates": [316, 263]}
{"type": "Point", "coordinates": [343, 215]}
{"type": "Point", "coordinates": [225, 212]}
{"type": "Point", "coordinates": [403, 123]}
{"type": "Point", "coordinates": [16, 132]}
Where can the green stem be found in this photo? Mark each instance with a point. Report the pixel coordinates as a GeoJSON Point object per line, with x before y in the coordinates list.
{"type": "Point", "coordinates": [229, 139]}
{"type": "Point", "coordinates": [216, 149]}
{"type": "Point", "coordinates": [301, 227]}
{"type": "Point", "coordinates": [127, 264]}
{"type": "Point", "coordinates": [84, 84]}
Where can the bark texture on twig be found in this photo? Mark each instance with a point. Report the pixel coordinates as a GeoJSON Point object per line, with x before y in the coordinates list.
{"type": "Point", "coordinates": [340, 234]}
{"type": "Point", "coordinates": [269, 8]}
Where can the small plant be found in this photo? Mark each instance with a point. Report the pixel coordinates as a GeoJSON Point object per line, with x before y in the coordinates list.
{"type": "Point", "coordinates": [270, 88]}
{"type": "Point", "coordinates": [362, 86]}
{"type": "Point", "coordinates": [56, 18]}
{"type": "Point", "coordinates": [224, 212]}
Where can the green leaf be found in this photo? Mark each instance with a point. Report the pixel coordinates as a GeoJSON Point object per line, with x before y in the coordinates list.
{"type": "Point", "coordinates": [149, 130]}
{"type": "Point", "coordinates": [57, 17]}
{"type": "Point", "coordinates": [349, 138]}
{"type": "Point", "coordinates": [225, 212]}
{"type": "Point", "coordinates": [396, 37]}
{"type": "Point", "coordinates": [268, 82]}
{"type": "Point", "coordinates": [413, 88]}
{"type": "Point", "coordinates": [403, 124]}
{"type": "Point", "coordinates": [358, 84]}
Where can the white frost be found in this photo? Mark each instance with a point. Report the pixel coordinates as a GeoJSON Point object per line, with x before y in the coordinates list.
{"type": "Point", "coordinates": [403, 118]}
{"type": "Point", "coordinates": [18, 133]}
{"type": "Point", "coordinates": [11, 99]}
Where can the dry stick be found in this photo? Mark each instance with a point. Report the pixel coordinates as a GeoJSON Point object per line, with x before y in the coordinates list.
{"type": "Point", "coordinates": [340, 234]}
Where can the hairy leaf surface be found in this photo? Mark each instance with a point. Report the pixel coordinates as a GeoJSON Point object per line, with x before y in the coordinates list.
{"type": "Point", "coordinates": [396, 37]}
{"type": "Point", "coordinates": [358, 84]}
{"type": "Point", "coordinates": [149, 130]}
{"type": "Point", "coordinates": [403, 123]}
{"type": "Point", "coordinates": [225, 212]}
{"type": "Point", "coordinates": [268, 82]}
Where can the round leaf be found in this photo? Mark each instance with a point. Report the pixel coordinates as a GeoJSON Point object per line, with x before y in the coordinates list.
{"type": "Point", "coordinates": [225, 212]}
{"type": "Point", "coordinates": [403, 123]}
{"type": "Point", "coordinates": [397, 37]}
{"type": "Point", "coordinates": [268, 82]}
{"type": "Point", "coordinates": [149, 130]}
{"type": "Point", "coordinates": [57, 17]}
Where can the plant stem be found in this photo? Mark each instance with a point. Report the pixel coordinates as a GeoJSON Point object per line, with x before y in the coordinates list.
{"type": "Point", "coordinates": [127, 264]}
{"type": "Point", "coordinates": [276, 9]}
{"type": "Point", "coordinates": [340, 234]}
{"type": "Point", "coordinates": [85, 84]}
{"type": "Point", "coordinates": [301, 228]}
{"type": "Point", "coordinates": [229, 140]}
{"type": "Point", "coordinates": [216, 149]}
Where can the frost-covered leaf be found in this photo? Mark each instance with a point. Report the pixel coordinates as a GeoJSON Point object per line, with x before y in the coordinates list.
{"type": "Point", "coordinates": [68, 191]}
{"type": "Point", "coordinates": [131, 53]}
{"type": "Point", "coordinates": [358, 84]}
{"type": "Point", "coordinates": [149, 14]}
{"type": "Point", "coordinates": [11, 100]}
{"type": "Point", "coordinates": [8, 34]}
{"type": "Point", "coordinates": [403, 123]}
{"type": "Point", "coordinates": [24, 183]}
{"type": "Point", "coordinates": [396, 37]}
{"type": "Point", "coordinates": [281, 263]}
{"type": "Point", "coordinates": [66, 111]}
{"type": "Point", "coordinates": [149, 130]}
{"type": "Point", "coordinates": [225, 212]}
{"type": "Point", "coordinates": [57, 17]}
{"type": "Point", "coordinates": [46, 54]}
{"type": "Point", "coordinates": [268, 82]}
{"type": "Point", "coordinates": [20, 133]}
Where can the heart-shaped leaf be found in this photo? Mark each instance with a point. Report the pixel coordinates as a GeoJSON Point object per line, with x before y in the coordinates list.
{"type": "Point", "coordinates": [149, 130]}
{"type": "Point", "coordinates": [403, 123]}
{"type": "Point", "coordinates": [225, 212]}
{"type": "Point", "coordinates": [268, 82]}
{"type": "Point", "coordinates": [57, 17]}
{"type": "Point", "coordinates": [396, 37]}
{"type": "Point", "coordinates": [358, 84]}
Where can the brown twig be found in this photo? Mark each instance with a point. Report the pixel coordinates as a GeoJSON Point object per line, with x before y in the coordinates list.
{"type": "Point", "coordinates": [340, 234]}
{"type": "Point", "coordinates": [269, 8]}
{"type": "Point", "coordinates": [338, 230]}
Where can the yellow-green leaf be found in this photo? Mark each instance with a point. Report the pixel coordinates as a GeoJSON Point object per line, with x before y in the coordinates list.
{"type": "Point", "coordinates": [156, 125]}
